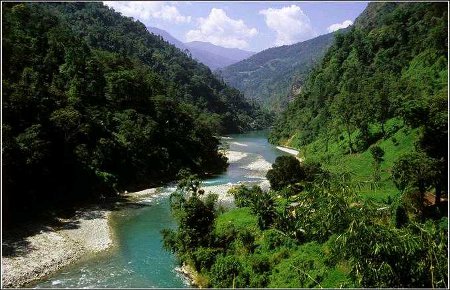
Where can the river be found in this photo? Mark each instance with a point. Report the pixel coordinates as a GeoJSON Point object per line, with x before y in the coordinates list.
{"type": "Point", "coordinates": [138, 260]}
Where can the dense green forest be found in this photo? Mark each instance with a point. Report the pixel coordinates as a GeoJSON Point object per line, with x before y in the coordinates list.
{"type": "Point", "coordinates": [384, 83]}
{"type": "Point", "coordinates": [94, 104]}
{"type": "Point", "coordinates": [371, 125]}
{"type": "Point", "coordinates": [268, 77]}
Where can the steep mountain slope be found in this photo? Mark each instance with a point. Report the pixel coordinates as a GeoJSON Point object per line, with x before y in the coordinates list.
{"type": "Point", "coordinates": [211, 55]}
{"type": "Point", "coordinates": [374, 15]}
{"type": "Point", "coordinates": [387, 74]}
{"type": "Point", "coordinates": [381, 63]}
{"type": "Point", "coordinates": [94, 104]}
{"type": "Point", "coordinates": [267, 77]}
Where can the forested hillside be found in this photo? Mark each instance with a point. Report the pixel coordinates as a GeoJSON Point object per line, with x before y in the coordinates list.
{"type": "Point", "coordinates": [268, 76]}
{"type": "Point", "coordinates": [94, 104]}
{"type": "Point", "coordinates": [391, 68]}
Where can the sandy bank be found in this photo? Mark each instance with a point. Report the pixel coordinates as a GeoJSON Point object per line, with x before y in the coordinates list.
{"type": "Point", "coordinates": [235, 156]}
{"type": "Point", "coordinates": [288, 150]}
{"type": "Point", "coordinates": [54, 247]}
{"type": "Point", "coordinates": [260, 164]}
{"type": "Point", "coordinates": [141, 194]}
{"type": "Point", "coordinates": [222, 190]}
{"type": "Point", "coordinates": [239, 144]}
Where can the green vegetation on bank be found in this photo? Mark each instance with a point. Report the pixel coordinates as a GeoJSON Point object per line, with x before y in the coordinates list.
{"type": "Point", "coordinates": [383, 83]}
{"type": "Point", "coordinates": [94, 104]}
{"type": "Point", "coordinates": [361, 164]}
{"type": "Point", "coordinates": [314, 232]}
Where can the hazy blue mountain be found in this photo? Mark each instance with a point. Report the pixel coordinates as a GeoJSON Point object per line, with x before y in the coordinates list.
{"type": "Point", "coordinates": [234, 54]}
{"type": "Point", "coordinates": [212, 60]}
{"type": "Point", "coordinates": [167, 37]}
{"type": "Point", "coordinates": [209, 54]}
{"type": "Point", "coordinates": [272, 76]}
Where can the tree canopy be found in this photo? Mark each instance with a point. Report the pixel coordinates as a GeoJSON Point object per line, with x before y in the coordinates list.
{"type": "Point", "coordinates": [94, 104]}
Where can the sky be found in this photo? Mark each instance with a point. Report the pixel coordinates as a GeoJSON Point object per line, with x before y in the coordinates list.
{"type": "Point", "coordinates": [247, 25]}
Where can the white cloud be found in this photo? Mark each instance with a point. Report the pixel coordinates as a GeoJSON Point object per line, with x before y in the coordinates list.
{"type": "Point", "coordinates": [338, 26]}
{"type": "Point", "coordinates": [145, 11]}
{"type": "Point", "coordinates": [219, 29]}
{"type": "Point", "coordinates": [290, 24]}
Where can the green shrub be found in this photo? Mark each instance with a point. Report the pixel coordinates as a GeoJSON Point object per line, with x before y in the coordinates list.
{"type": "Point", "coordinates": [273, 239]}
{"type": "Point", "coordinates": [305, 268]}
{"type": "Point", "coordinates": [401, 216]}
{"type": "Point", "coordinates": [204, 258]}
{"type": "Point", "coordinates": [285, 171]}
{"type": "Point", "coordinates": [377, 154]}
{"type": "Point", "coordinates": [394, 141]}
{"type": "Point", "coordinates": [225, 271]}
{"type": "Point", "coordinates": [260, 263]}
{"type": "Point", "coordinates": [288, 172]}
{"type": "Point", "coordinates": [243, 195]}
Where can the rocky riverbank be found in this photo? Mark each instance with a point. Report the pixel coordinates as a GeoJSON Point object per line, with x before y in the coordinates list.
{"type": "Point", "coordinates": [52, 248]}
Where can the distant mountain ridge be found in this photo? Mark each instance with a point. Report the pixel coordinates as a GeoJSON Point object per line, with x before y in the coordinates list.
{"type": "Point", "coordinates": [213, 56]}
{"type": "Point", "coordinates": [234, 54]}
{"type": "Point", "coordinates": [271, 77]}
{"type": "Point", "coordinates": [167, 37]}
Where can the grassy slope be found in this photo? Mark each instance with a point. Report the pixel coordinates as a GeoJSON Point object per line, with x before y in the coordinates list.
{"type": "Point", "coordinates": [239, 219]}
{"type": "Point", "coordinates": [401, 141]}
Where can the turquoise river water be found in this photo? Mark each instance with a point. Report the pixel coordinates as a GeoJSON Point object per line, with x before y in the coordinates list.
{"type": "Point", "coordinates": [137, 260]}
